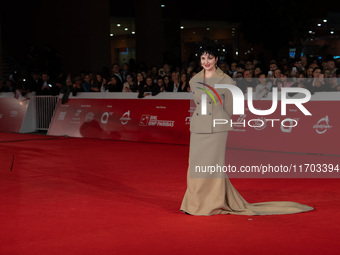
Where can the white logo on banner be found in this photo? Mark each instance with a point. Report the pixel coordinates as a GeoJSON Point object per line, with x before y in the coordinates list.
{"type": "Point", "coordinates": [187, 120]}
{"type": "Point", "coordinates": [61, 115]}
{"type": "Point", "coordinates": [89, 116]}
{"type": "Point", "coordinates": [322, 125]}
{"type": "Point", "coordinates": [14, 114]}
{"type": "Point", "coordinates": [144, 120]}
{"type": "Point", "coordinates": [77, 113]}
{"type": "Point", "coordinates": [151, 120]}
{"type": "Point", "coordinates": [105, 117]}
{"type": "Point", "coordinates": [76, 118]}
{"type": "Point", "coordinates": [125, 118]}
{"type": "Point", "coordinates": [288, 129]}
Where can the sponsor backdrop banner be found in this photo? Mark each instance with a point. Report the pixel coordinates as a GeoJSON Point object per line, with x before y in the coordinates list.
{"type": "Point", "coordinates": [12, 113]}
{"type": "Point", "coordinates": [167, 121]}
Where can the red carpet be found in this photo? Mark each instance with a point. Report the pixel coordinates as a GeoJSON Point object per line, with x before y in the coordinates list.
{"type": "Point", "coordinates": [86, 196]}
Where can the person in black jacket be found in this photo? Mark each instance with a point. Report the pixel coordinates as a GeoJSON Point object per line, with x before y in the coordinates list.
{"type": "Point", "coordinates": [159, 87]}
{"type": "Point", "coordinates": [319, 83]}
{"type": "Point", "coordinates": [140, 81]}
{"type": "Point", "coordinates": [184, 83]}
{"type": "Point", "coordinates": [114, 85]}
{"type": "Point", "coordinates": [148, 88]}
{"type": "Point", "coordinates": [34, 82]}
{"type": "Point", "coordinates": [168, 84]}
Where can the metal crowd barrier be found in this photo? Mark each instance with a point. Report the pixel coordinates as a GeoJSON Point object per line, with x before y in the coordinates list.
{"type": "Point", "coordinates": [45, 106]}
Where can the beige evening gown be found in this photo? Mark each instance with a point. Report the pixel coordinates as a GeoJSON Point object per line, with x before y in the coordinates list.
{"type": "Point", "coordinates": [210, 196]}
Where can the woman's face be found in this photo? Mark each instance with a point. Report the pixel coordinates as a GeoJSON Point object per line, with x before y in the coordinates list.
{"type": "Point", "coordinates": [300, 78]}
{"type": "Point", "coordinates": [160, 82]}
{"type": "Point", "coordinates": [262, 79]}
{"type": "Point", "coordinates": [99, 77]}
{"type": "Point", "coordinates": [257, 71]}
{"type": "Point", "coordinates": [316, 73]}
{"type": "Point", "coordinates": [309, 72]}
{"type": "Point", "coordinates": [277, 73]}
{"type": "Point", "coordinates": [129, 78]}
{"type": "Point", "coordinates": [208, 62]}
{"type": "Point", "coordinates": [174, 76]}
{"type": "Point", "coordinates": [183, 77]}
{"type": "Point", "coordinates": [87, 78]}
{"type": "Point", "coordinates": [139, 77]}
{"type": "Point", "coordinates": [327, 73]}
{"type": "Point", "coordinates": [166, 80]}
{"type": "Point", "coordinates": [149, 81]}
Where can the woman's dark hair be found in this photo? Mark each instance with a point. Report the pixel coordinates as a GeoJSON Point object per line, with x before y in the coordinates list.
{"type": "Point", "coordinates": [186, 77]}
{"type": "Point", "coordinates": [129, 74]}
{"type": "Point", "coordinates": [169, 78]}
{"type": "Point", "coordinates": [316, 68]}
{"type": "Point", "coordinates": [209, 48]}
{"type": "Point", "coordinates": [140, 74]}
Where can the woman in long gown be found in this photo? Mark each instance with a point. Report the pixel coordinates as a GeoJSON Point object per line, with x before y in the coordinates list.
{"type": "Point", "coordinates": [207, 194]}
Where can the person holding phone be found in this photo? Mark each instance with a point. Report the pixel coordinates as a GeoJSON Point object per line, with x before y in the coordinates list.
{"type": "Point", "coordinates": [319, 83]}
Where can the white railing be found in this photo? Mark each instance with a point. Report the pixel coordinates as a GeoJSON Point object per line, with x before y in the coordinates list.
{"type": "Point", "coordinates": [45, 106]}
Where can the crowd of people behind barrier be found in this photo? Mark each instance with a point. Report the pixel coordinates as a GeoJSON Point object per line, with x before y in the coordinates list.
{"type": "Point", "coordinates": [313, 75]}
